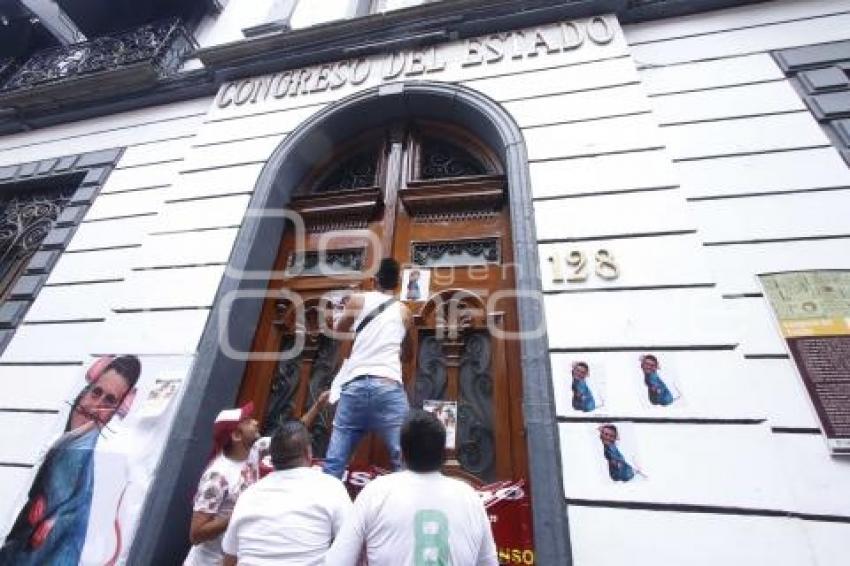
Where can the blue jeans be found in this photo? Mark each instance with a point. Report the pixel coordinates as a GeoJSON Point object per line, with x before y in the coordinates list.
{"type": "Point", "coordinates": [369, 404]}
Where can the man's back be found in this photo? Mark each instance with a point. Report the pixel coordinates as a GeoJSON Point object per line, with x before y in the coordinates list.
{"type": "Point", "coordinates": [290, 516]}
{"type": "Point", "coordinates": [410, 518]}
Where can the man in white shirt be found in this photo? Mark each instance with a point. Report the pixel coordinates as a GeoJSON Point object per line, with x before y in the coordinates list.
{"type": "Point", "coordinates": [378, 329]}
{"type": "Point", "coordinates": [417, 517]}
{"type": "Point", "coordinates": [228, 474]}
{"type": "Point", "coordinates": [290, 516]}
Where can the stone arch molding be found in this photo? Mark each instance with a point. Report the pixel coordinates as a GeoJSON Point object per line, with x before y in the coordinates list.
{"type": "Point", "coordinates": [215, 376]}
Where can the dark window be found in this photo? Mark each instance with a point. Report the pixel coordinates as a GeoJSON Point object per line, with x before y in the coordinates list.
{"type": "Point", "coordinates": [821, 75]}
{"type": "Point", "coordinates": [443, 160]}
{"type": "Point", "coordinates": [25, 220]}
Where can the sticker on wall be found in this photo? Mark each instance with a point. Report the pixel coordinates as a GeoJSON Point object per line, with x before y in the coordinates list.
{"type": "Point", "coordinates": [87, 493]}
{"type": "Point", "coordinates": [446, 413]}
{"type": "Point", "coordinates": [619, 452]}
{"type": "Point", "coordinates": [587, 387]}
{"type": "Point", "coordinates": [159, 397]}
{"type": "Point", "coordinates": [415, 284]}
{"type": "Point", "coordinates": [661, 387]}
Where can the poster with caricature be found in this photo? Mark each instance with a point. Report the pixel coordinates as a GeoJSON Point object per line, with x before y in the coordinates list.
{"type": "Point", "coordinates": [415, 285]}
{"type": "Point", "coordinates": [661, 386]}
{"type": "Point", "coordinates": [446, 413]}
{"type": "Point", "coordinates": [87, 492]}
{"type": "Point", "coordinates": [587, 386]}
{"type": "Point", "coordinates": [619, 452]}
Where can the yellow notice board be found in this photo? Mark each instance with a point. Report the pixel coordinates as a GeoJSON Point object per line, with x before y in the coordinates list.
{"type": "Point", "coordinates": [812, 309]}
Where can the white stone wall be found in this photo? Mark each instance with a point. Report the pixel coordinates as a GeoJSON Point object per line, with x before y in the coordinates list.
{"type": "Point", "coordinates": [768, 193]}
{"type": "Point", "coordinates": [678, 146]}
{"type": "Point", "coordinates": [80, 312]}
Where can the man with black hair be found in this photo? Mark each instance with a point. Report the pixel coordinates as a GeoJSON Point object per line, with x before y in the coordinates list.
{"type": "Point", "coordinates": [418, 516]}
{"type": "Point", "coordinates": [377, 329]}
{"type": "Point", "coordinates": [292, 515]}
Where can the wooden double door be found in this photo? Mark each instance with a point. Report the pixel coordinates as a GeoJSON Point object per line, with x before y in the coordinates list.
{"type": "Point", "coordinates": [433, 198]}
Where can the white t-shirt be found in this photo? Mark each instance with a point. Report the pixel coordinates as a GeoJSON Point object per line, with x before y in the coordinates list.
{"type": "Point", "coordinates": [377, 348]}
{"type": "Point", "coordinates": [222, 483]}
{"type": "Point", "coordinates": [288, 517]}
{"type": "Point", "coordinates": [411, 519]}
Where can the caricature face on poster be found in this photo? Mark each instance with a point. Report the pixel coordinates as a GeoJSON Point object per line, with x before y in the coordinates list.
{"type": "Point", "coordinates": [619, 452]}
{"type": "Point", "coordinates": [76, 510]}
{"type": "Point", "coordinates": [586, 387]}
{"type": "Point", "coordinates": [415, 285]}
{"type": "Point", "coordinates": [661, 387]}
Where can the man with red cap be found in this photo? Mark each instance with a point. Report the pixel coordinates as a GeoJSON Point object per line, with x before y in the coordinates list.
{"type": "Point", "coordinates": [228, 474]}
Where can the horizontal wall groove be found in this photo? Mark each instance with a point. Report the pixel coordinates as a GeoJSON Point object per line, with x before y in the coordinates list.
{"type": "Point", "coordinates": [103, 249]}
{"type": "Point", "coordinates": [794, 430]}
{"type": "Point", "coordinates": [216, 167]}
{"type": "Point", "coordinates": [15, 465]}
{"type": "Point", "coordinates": [731, 118]}
{"type": "Point", "coordinates": [710, 88]}
{"type": "Point", "coordinates": [207, 197]}
{"type": "Point", "coordinates": [707, 509]}
{"type": "Point", "coordinates": [265, 112]}
{"type": "Point", "coordinates": [35, 363]}
{"type": "Point", "coordinates": [647, 348]}
{"type": "Point", "coordinates": [742, 295]}
{"type": "Point", "coordinates": [739, 28]}
{"type": "Point", "coordinates": [586, 120]}
{"type": "Point", "coordinates": [282, 135]}
{"type": "Point", "coordinates": [62, 321]}
{"type": "Point", "coordinates": [119, 217]}
{"type": "Point", "coordinates": [615, 237]}
{"type": "Point", "coordinates": [179, 266]}
{"type": "Point", "coordinates": [751, 153]}
{"type": "Point", "coordinates": [767, 357]}
{"type": "Point", "coordinates": [84, 282]}
{"type": "Point", "coordinates": [173, 138]}
{"type": "Point", "coordinates": [600, 154]}
{"type": "Point", "coordinates": [768, 193]}
{"type": "Point", "coordinates": [147, 164]}
{"type": "Point", "coordinates": [33, 411]}
{"type": "Point", "coordinates": [634, 288]}
{"type": "Point", "coordinates": [660, 420]}
{"type": "Point", "coordinates": [134, 190]}
{"type": "Point", "coordinates": [191, 230]}
{"type": "Point", "coordinates": [159, 309]}
{"type": "Point", "coordinates": [605, 193]}
{"type": "Point", "coordinates": [108, 130]}
{"type": "Point", "coordinates": [776, 240]}
{"type": "Point", "coordinates": [568, 92]}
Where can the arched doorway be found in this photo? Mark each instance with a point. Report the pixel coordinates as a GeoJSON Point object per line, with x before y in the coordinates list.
{"type": "Point", "coordinates": [216, 376]}
{"type": "Point", "coordinates": [433, 197]}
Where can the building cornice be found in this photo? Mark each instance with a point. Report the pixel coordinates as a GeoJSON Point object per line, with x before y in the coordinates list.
{"type": "Point", "coordinates": [343, 39]}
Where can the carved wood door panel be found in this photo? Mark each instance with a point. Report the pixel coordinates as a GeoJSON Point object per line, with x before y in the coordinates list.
{"type": "Point", "coordinates": [434, 199]}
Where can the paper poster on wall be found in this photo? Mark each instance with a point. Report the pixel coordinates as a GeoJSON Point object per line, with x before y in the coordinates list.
{"type": "Point", "coordinates": [660, 382]}
{"type": "Point", "coordinates": [812, 309]}
{"type": "Point", "coordinates": [446, 413]}
{"type": "Point", "coordinates": [587, 387]}
{"type": "Point", "coordinates": [619, 452]}
{"type": "Point", "coordinates": [415, 285]}
{"type": "Point", "coordinates": [85, 499]}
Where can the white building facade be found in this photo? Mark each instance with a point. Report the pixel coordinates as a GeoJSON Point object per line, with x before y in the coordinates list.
{"type": "Point", "coordinates": [674, 149]}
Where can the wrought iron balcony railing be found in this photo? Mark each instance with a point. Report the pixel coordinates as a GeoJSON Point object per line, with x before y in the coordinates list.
{"type": "Point", "coordinates": [156, 49]}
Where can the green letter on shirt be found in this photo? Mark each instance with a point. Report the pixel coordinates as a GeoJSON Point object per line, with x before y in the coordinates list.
{"type": "Point", "coordinates": [432, 537]}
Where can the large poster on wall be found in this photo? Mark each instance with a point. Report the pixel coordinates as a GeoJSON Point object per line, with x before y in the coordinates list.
{"type": "Point", "coordinates": [812, 309]}
{"type": "Point", "coordinates": [86, 495]}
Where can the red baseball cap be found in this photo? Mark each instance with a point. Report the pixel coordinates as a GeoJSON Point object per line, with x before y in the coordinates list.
{"type": "Point", "coordinates": [227, 421]}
